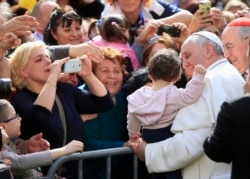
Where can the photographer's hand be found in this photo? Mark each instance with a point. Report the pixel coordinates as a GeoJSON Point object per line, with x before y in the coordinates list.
{"type": "Point", "coordinates": [199, 20]}
{"type": "Point", "coordinates": [218, 19]}
{"type": "Point", "coordinates": [184, 33]}
{"type": "Point", "coordinates": [148, 32]}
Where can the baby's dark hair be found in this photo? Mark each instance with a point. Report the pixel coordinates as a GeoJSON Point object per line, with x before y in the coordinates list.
{"type": "Point", "coordinates": [165, 64]}
{"type": "Point", "coordinates": [110, 27]}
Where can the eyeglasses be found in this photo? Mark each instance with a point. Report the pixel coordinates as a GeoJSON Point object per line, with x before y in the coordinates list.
{"type": "Point", "coordinates": [10, 119]}
{"type": "Point", "coordinates": [230, 46]}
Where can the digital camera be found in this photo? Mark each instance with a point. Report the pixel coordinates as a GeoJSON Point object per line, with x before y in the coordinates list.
{"type": "Point", "coordinates": [169, 29]}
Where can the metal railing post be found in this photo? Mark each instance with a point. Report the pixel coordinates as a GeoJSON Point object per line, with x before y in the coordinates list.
{"type": "Point", "coordinates": [108, 167]}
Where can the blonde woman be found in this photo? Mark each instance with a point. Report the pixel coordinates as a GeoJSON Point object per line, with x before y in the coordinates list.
{"type": "Point", "coordinates": [40, 96]}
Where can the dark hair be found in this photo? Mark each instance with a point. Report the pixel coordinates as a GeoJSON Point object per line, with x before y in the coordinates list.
{"type": "Point", "coordinates": [165, 65]}
{"type": "Point", "coordinates": [19, 11]}
{"type": "Point", "coordinates": [5, 88]}
{"type": "Point", "coordinates": [1, 140]}
{"type": "Point", "coordinates": [111, 28]}
{"type": "Point", "coordinates": [137, 79]}
{"type": "Point", "coordinates": [163, 39]}
{"type": "Point", "coordinates": [63, 17]}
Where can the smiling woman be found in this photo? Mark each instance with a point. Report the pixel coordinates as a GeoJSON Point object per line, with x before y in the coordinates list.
{"type": "Point", "coordinates": [108, 129]}
{"type": "Point", "coordinates": [64, 27]}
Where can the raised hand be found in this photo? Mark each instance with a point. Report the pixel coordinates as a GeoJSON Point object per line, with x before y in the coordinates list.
{"type": "Point", "coordinates": [200, 69]}
{"type": "Point", "coordinates": [218, 19]}
{"type": "Point", "coordinates": [148, 32]}
{"type": "Point", "coordinates": [93, 52]}
{"type": "Point", "coordinates": [20, 25]}
{"type": "Point", "coordinates": [8, 41]}
{"type": "Point", "coordinates": [184, 33]}
{"type": "Point", "coordinates": [199, 21]}
{"type": "Point", "coordinates": [86, 66]}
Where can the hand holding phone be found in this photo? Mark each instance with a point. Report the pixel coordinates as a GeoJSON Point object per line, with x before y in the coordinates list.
{"type": "Point", "coordinates": [72, 66]}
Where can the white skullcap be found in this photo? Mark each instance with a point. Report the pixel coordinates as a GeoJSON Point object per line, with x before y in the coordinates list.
{"type": "Point", "coordinates": [210, 36]}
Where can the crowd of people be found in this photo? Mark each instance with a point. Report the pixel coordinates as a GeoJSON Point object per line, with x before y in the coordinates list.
{"type": "Point", "coordinates": [178, 101]}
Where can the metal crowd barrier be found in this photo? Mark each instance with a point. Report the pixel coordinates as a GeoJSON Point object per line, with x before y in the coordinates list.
{"type": "Point", "coordinates": [108, 153]}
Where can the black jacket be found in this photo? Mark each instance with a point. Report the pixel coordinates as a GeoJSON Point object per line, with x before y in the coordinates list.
{"type": "Point", "coordinates": [230, 141]}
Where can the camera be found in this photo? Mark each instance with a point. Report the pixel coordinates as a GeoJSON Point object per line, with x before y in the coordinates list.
{"type": "Point", "coordinates": [169, 29]}
{"type": "Point", "coordinates": [5, 88]}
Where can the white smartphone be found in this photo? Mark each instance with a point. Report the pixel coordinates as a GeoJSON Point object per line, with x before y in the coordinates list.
{"type": "Point", "coordinates": [72, 66]}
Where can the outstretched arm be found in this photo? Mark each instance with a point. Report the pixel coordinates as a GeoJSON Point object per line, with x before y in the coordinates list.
{"type": "Point", "coordinates": [73, 146]}
{"type": "Point", "coordinates": [35, 144]}
{"type": "Point", "coordinates": [20, 25]}
{"type": "Point", "coordinates": [183, 16]}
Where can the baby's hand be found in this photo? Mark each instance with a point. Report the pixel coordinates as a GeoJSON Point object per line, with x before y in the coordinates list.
{"type": "Point", "coordinates": [200, 69]}
{"type": "Point", "coordinates": [134, 139]}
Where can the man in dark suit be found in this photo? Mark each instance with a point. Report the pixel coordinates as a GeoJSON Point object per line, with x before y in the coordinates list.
{"type": "Point", "coordinates": [230, 141]}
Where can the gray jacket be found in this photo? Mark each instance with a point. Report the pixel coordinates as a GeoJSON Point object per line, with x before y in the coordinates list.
{"type": "Point", "coordinates": [26, 166]}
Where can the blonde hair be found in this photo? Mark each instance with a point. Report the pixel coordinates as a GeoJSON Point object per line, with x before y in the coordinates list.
{"type": "Point", "coordinates": [20, 59]}
{"type": "Point", "coordinates": [228, 15]}
{"type": "Point", "coordinates": [234, 3]}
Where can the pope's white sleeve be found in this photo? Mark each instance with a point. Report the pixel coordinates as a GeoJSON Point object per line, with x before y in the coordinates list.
{"type": "Point", "coordinates": [176, 152]}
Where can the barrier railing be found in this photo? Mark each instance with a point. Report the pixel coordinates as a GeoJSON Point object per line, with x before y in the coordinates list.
{"type": "Point", "coordinates": [108, 153]}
